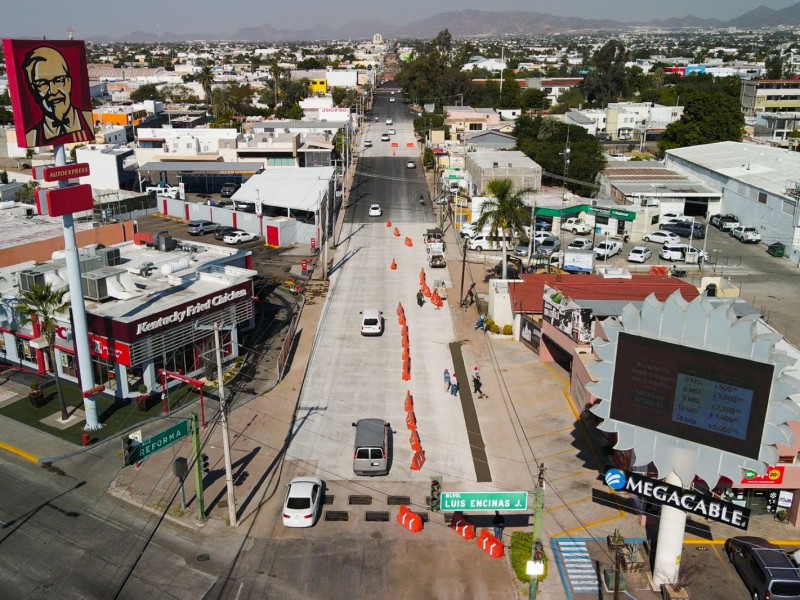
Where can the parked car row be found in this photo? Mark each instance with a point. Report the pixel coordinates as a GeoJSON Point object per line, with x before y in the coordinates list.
{"type": "Point", "coordinates": [225, 233]}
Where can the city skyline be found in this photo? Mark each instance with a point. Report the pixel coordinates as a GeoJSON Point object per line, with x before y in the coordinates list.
{"type": "Point", "coordinates": [216, 18]}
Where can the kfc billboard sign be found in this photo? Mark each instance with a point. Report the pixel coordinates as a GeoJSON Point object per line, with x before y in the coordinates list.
{"type": "Point", "coordinates": [49, 88]}
{"type": "Point", "coordinates": [110, 350]}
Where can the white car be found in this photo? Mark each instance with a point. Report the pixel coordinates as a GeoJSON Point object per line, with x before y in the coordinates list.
{"type": "Point", "coordinates": [385, 137]}
{"type": "Point", "coordinates": [389, 121]}
{"type": "Point", "coordinates": [662, 237]}
{"type": "Point", "coordinates": [371, 321]}
{"type": "Point", "coordinates": [392, 132]}
{"type": "Point", "coordinates": [580, 243]}
{"type": "Point", "coordinates": [304, 496]}
{"type": "Point", "coordinates": [607, 249]}
{"type": "Point", "coordinates": [375, 210]}
{"type": "Point", "coordinates": [237, 237]}
{"type": "Point", "coordinates": [367, 143]}
{"type": "Point", "coordinates": [639, 254]}
{"type": "Point", "coordinates": [391, 99]}
{"type": "Point", "coordinates": [746, 234]}
{"type": "Point", "coordinates": [411, 165]}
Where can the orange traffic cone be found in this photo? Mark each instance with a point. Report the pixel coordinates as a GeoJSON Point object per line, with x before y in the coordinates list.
{"type": "Point", "coordinates": [396, 232]}
{"type": "Point", "coordinates": [388, 223]}
{"type": "Point", "coordinates": [394, 266]}
{"type": "Point", "coordinates": [409, 243]}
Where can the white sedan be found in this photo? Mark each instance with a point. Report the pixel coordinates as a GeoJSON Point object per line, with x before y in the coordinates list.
{"type": "Point", "coordinates": [303, 500]}
{"type": "Point", "coordinates": [375, 210]}
{"type": "Point", "coordinates": [662, 237]}
{"type": "Point", "coordinates": [237, 237]}
{"type": "Point", "coordinates": [411, 165]}
{"type": "Point", "coordinates": [639, 254]}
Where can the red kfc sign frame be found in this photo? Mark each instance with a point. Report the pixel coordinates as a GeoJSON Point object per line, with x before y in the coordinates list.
{"type": "Point", "coordinates": [48, 84]}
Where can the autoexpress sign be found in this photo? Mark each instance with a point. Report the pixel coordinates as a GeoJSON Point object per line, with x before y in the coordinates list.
{"type": "Point", "coordinates": [689, 501]}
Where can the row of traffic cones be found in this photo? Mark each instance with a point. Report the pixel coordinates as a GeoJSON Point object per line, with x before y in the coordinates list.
{"type": "Point", "coordinates": [401, 317]}
{"type": "Point", "coordinates": [418, 457]}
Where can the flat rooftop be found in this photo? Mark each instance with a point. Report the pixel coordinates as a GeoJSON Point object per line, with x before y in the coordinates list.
{"type": "Point", "coordinates": [16, 229]}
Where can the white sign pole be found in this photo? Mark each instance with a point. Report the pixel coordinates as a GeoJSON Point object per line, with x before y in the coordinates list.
{"type": "Point", "coordinates": [670, 540]}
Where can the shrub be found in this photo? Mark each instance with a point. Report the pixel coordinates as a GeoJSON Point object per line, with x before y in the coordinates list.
{"type": "Point", "coordinates": [494, 328]}
{"type": "Point", "coordinates": [521, 551]}
{"type": "Point", "coordinates": [507, 330]}
{"type": "Point", "coordinates": [142, 390]}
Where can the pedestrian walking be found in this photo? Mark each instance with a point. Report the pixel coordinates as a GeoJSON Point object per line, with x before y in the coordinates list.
{"type": "Point", "coordinates": [453, 378]}
{"type": "Point", "coordinates": [454, 389]}
{"type": "Point", "coordinates": [477, 387]}
{"type": "Point", "coordinates": [476, 372]}
{"type": "Point", "coordinates": [420, 298]}
{"type": "Point", "coordinates": [446, 380]}
{"type": "Point", "coordinates": [498, 523]}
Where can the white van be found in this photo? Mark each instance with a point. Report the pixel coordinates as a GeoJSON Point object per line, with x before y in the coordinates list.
{"type": "Point", "coordinates": [487, 241]}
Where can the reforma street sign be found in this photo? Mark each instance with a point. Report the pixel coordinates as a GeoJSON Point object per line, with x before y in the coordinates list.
{"type": "Point", "coordinates": [160, 441]}
{"type": "Point", "coordinates": [488, 501]}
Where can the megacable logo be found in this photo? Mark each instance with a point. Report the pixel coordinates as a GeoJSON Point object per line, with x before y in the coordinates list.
{"type": "Point", "coordinates": [615, 479]}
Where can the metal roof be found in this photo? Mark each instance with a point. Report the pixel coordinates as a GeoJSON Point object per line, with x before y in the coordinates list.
{"type": "Point", "coordinates": [202, 166]}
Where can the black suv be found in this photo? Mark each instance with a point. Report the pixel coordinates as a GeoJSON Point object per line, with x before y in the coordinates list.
{"type": "Point", "coordinates": [765, 568]}
{"type": "Point", "coordinates": [229, 189]}
{"type": "Point", "coordinates": [222, 230]}
{"type": "Point", "coordinates": [685, 229]}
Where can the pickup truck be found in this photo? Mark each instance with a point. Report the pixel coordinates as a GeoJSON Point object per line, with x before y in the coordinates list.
{"type": "Point", "coordinates": [168, 191]}
{"type": "Point", "coordinates": [435, 251]}
{"type": "Point", "coordinates": [577, 226]}
{"type": "Point", "coordinates": [607, 249]}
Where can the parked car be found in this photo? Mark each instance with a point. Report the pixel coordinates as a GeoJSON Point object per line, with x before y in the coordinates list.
{"type": "Point", "coordinates": [487, 241]}
{"type": "Point", "coordinates": [229, 189]}
{"type": "Point", "coordinates": [607, 249]}
{"type": "Point", "coordinates": [248, 207]}
{"type": "Point", "coordinates": [301, 506]}
{"type": "Point", "coordinates": [375, 210]}
{"type": "Point", "coordinates": [239, 236]}
{"type": "Point", "coordinates": [686, 229]}
{"type": "Point", "coordinates": [548, 246]}
{"type": "Point", "coordinates": [679, 252]}
{"type": "Point", "coordinates": [521, 250]}
{"type": "Point", "coordinates": [222, 230]}
{"type": "Point", "coordinates": [746, 234]}
{"type": "Point", "coordinates": [765, 569]}
{"type": "Point", "coordinates": [200, 227]}
{"type": "Point", "coordinates": [725, 222]}
{"type": "Point", "coordinates": [662, 237]}
{"type": "Point", "coordinates": [639, 254]}
{"type": "Point", "coordinates": [371, 321]}
{"type": "Point", "coordinates": [577, 226]}
{"type": "Point", "coordinates": [580, 243]}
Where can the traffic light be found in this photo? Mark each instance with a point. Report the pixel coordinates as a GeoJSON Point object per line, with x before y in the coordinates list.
{"type": "Point", "coordinates": [434, 502]}
{"type": "Point", "coordinates": [204, 463]}
{"type": "Point", "coordinates": [127, 450]}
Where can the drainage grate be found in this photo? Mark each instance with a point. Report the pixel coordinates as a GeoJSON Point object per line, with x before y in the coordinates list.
{"type": "Point", "coordinates": [359, 500]}
{"type": "Point", "coordinates": [329, 499]}
{"type": "Point", "coordinates": [422, 515]}
{"type": "Point", "coordinates": [337, 515]}
{"type": "Point", "coordinates": [398, 500]}
{"type": "Point", "coordinates": [376, 515]}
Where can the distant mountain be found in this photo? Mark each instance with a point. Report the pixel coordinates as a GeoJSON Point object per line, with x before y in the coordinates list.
{"type": "Point", "coordinates": [467, 23]}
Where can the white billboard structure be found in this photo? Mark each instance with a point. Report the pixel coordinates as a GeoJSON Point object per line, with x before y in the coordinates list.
{"type": "Point", "coordinates": [696, 392]}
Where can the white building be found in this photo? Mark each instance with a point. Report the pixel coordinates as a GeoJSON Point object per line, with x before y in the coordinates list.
{"type": "Point", "coordinates": [166, 144]}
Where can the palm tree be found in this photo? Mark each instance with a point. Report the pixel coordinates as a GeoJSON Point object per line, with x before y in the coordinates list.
{"type": "Point", "coordinates": [549, 128]}
{"type": "Point", "coordinates": [41, 304]}
{"type": "Point", "coordinates": [504, 211]}
{"type": "Point", "coordinates": [205, 77]}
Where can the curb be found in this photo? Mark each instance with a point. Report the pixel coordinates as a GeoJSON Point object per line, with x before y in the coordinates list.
{"type": "Point", "coordinates": [18, 452]}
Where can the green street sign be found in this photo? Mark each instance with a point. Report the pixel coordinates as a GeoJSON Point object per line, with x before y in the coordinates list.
{"type": "Point", "coordinates": [487, 501]}
{"type": "Point", "coordinates": [160, 441]}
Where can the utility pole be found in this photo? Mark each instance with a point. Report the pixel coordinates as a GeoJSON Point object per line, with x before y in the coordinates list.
{"type": "Point", "coordinates": [536, 565]}
{"type": "Point", "coordinates": [198, 470]}
{"type": "Point", "coordinates": [223, 411]}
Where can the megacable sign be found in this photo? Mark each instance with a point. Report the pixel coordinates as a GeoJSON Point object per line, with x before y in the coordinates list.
{"type": "Point", "coordinates": [689, 501]}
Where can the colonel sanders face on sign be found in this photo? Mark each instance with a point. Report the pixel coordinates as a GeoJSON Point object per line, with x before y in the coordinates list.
{"type": "Point", "coordinates": [48, 77]}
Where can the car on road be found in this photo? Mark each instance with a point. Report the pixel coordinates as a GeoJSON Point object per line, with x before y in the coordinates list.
{"type": "Point", "coordinates": [411, 165]}
{"type": "Point", "coordinates": [304, 496]}
{"type": "Point", "coordinates": [746, 235]}
{"type": "Point", "coordinates": [239, 236]}
{"type": "Point", "coordinates": [371, 321]}
{"type": "Point", "coordinates": [392, 132]}
{"type": "Point", "coordinates": [662, 237]}
{"type": "Point", "coordinates": [389, 121]}
{"type": "Point", "coordinates": [391, 99]}
{"type": "Point", "coordinates": [607, 249]}
{"type": "Point", "coordinates": [580, 243]}
{"type": "Point", "coordinates": [385, 137]}
{"type": "Point", "coordinates": [724, 222]}
{"type": "Point", "coordinates": [766, 570]}
{"type": "Point", "coordinates": [222, 230]}
{"type": "Point", "coordinates": [367, 143]}
{"type": "Point", "coordinates": [200, 227]}
{"type": "Point", "coordinates": [375, 210]}
{"type": "Point", "coordinates": [639, 254]}
{"type": "Point", "coordinates": [228, 189]}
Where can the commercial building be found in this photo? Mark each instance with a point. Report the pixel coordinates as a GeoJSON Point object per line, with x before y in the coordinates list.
{"type": "Point", "coordinates": [770, 95]}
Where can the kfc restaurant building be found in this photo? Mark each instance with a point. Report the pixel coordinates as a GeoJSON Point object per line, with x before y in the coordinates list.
{"type": "Point", "coordinates": [151, 316]}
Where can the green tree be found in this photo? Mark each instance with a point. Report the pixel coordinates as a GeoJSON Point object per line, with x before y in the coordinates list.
{"type": "Point", "coordinates": [569, 98]}
{"type": "Point", "coordinates": [148, 91]}
{"type": "Point", "coordinates": [775, 65]}
{"type": "Point", "coordinates": [504, 211]}
{"type": "Point", "coordinates": [41, 305]}
{"type": "Point", "coordinates": [310, 63]}
{"type": "Point", "coordinates": [511, 96]}
{"type": "Point", "coordinates": [533, 99]}
{"type": "Point", "coordinates": [607, 81]}
{"type": "Point", "coordinates": [205, 77]}
{"type": "Point", "coordinates": [26, 193]}
{"type": "Point", "coordinates": [707, 118]}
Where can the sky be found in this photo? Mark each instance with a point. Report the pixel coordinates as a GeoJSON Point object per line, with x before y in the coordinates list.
{"type": "Point", "coordinates": [101, 17]}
